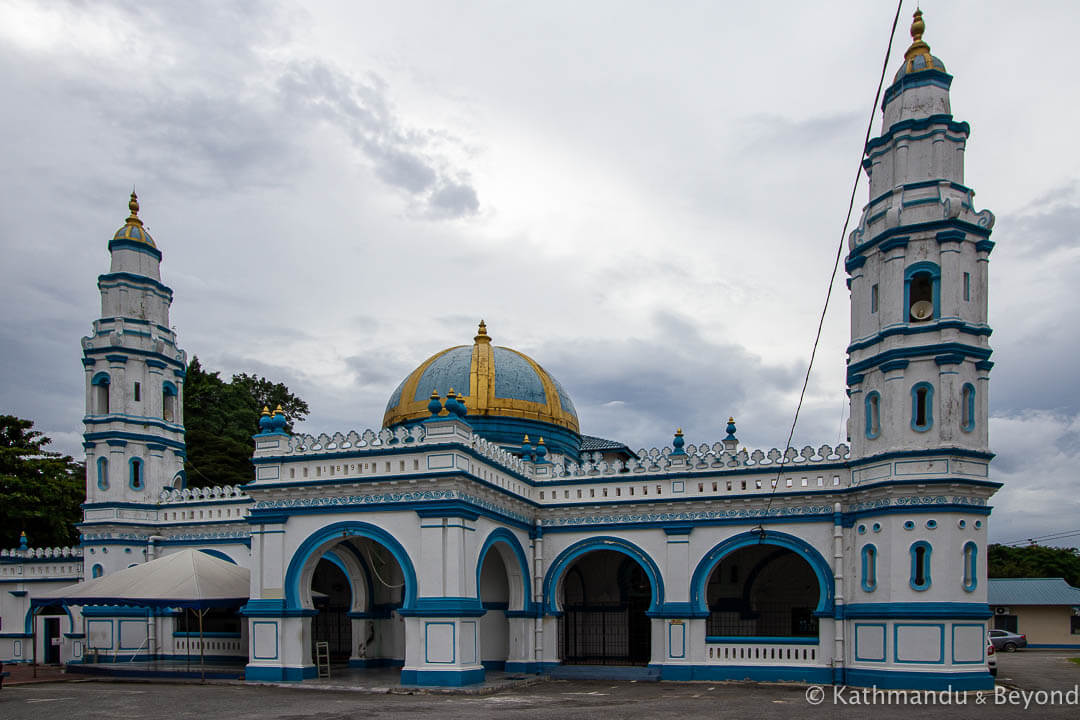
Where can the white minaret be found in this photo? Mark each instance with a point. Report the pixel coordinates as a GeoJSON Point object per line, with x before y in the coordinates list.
{"type": "Point", "coordinates": [918, 363]}
{"type": "Point", "coordinates": [134, 436]}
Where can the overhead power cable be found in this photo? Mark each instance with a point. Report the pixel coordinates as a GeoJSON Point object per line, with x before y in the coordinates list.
{"type": "Point", "coordinates": [836, 264]}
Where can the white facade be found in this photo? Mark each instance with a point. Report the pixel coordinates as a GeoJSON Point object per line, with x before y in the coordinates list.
{"type": "Point", "coordinates": [446, 551]}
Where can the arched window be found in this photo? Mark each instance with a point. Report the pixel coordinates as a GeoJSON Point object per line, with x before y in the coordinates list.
{"type": "Point", "coordinates": [971, 569]}
{"type": "Point", "coordinates": [97, 571]}
{"type": "Point", "coordinates": [869, 568]}
{"type": "Point", "coordinates": [922, 407]}
{"type": "Point", "coordinates": [920, 565]}
{"type": "Point", "coordinates": [168, 402]}
{"type": "Point", "coordinates": [99, 396]}
{"type": "Point", "coordinates": [103, 473]}
{"type": "Point", "coordinates": [922, 292]}
{"type": "Point", "coordinates": [967, 407]}
{"type": "Point", "coordinates": [873, 414]}
{"type": "Point", "coordinates": [136, 479]}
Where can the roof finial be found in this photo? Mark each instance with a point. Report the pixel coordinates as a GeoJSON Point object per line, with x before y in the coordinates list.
{"type": "Point", "coordinates": [481, 333]}
{"type": "Point", "coordinates": [918, 47]}
{"type": "Point", "coordinates": [133, 206]}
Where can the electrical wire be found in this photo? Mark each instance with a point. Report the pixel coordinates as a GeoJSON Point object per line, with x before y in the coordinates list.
{"type": "Point", "coordinates": [836, 266]}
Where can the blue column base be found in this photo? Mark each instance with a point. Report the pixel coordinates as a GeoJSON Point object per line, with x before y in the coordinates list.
{"type": "Point", "coordinates": [900, 680]}
{"type": "Point", "coordinates": [753, 673]}
{"type": "Point", "coordinates": [442, 678]}
{"type": "Point", "coordinates": [259, 673]}
{"type": "Point", "coordinates": [528, 668]}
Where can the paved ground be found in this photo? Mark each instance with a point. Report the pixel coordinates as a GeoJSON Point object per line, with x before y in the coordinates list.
{"type": "Point", "coordinates": [554, 700]}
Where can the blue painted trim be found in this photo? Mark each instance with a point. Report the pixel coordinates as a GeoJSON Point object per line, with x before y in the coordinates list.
{"type": "Point", "coordinates": [111, 353]}
{"type": "Point", "coordinates": [602, 542]}
{"type": "Point", "coordinates": [907, 81]}
{"type": "Point", "coordinates": [101, 378]}
{"type": "Point", "coordinates": [442, 678]}
{"type": "Point", "coordinates": [1044, 646]}
{"type": "Point", "coordinates": [896, 644]}
{"type": "Point", "coordinates": [677, 610]}
{"type": "Point", "coordinates": [934, 271]}
{"type": "Point", "coordinates": [444, 607]}
{"type": "Point", "coordinates": [971, 566]}
{"type": "Point", "coordinates": [116, 435]}
{"type": "Point", "coordinates": [869, 567]}
{"type": "Point", "coordinates": [258, 673]}
{"type": "Point", "coordinates": [135, 474]}
{"type": "Point", "coordinates": [273, 608]}
{"type": "Point", "coordinates": [453, 643]}
{"type": "Point", "coordinates": [780, 640]}
{"type": "Point", "coordinates": [826, 587]}
{"type": "Point", "coordinates": [340, 530]}
{"type": "Point", "coordinates": [928, 407]}
{"type": "Point", "coordinates": [884, 648]}
{"type": "Point", "coordinates": [103, 473]}
{"type": "Point", "coordinates": [967, 400]}
{"type": "Point", "coordinates": [927, 579]}
{"type": "Point", "coordinates": [900, 680]}
{"type": "Point", "coordinates": [446, 510]}
{"type": "Point", "coordinates": [218, 554]}
{"type": "Point", "coordinates": [917, 353]}
{"type": "Point", "coordinates": [913, 228]}
{"type": "Point", "coordinates": [753, 673]}
{"type": "Point", "coordinates": [918, 610]}
{"type": "Point", "coordinates": [508, 538]}
{"type": "Point", "coordinates": [982, 645]}
{"type": "Point", "coordinates": [121, 244]}
{"type": "Point", "coordinates": [873, 414]}
{"type": "Point", "coordinates": [919, 328]}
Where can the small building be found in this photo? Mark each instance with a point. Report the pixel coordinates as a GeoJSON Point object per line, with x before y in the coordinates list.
{"type": "Point", "coordinates": [1047, 610]}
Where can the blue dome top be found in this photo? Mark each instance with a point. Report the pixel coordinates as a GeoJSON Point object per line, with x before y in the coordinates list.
{"type": "Point", "coordinates": [500, 388]}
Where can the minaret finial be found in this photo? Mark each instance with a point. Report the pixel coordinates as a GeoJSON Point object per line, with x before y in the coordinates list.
{"type": "Point", "coordinates": [133, 206]}
{"type": "Point", "coordinates": [918, 27]}
{"type": "Point", "coordinates": [918, 46]}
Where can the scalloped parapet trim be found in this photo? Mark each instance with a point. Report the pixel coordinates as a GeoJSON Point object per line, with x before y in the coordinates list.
{"type": "Point", "coordinates": [33, 553]}
{"type": "Point", "coordinates": [704, 458]}
{"type": "Point", "coordinates": [202, 494]}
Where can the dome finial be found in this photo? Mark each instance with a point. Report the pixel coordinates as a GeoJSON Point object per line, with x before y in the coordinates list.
{"type": "Point", "coordinates": [481, 333]}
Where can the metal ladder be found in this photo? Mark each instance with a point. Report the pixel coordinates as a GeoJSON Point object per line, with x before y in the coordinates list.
{"type": "Point", "coordinates": [322, 658]}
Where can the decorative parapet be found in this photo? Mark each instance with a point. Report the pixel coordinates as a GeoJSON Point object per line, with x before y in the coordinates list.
{"type": "Point", "coordinates": [704, 458]}
{"type": "Point", "coordinates": [202, 494]}
{"type": "Point", "coordinates": [366, 440]}
{"type": "Point", "coordinates": [52, 553]}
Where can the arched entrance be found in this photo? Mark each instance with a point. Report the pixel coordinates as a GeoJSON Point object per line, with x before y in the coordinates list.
{"type": "Point", "coordinates": [605, 595]}
{"type": "Point", "coordinates": [763, 584]}
{"type": "Point", "coordinates": [356, 576]}
{"type": "Point", "coordinates": [762, 591]}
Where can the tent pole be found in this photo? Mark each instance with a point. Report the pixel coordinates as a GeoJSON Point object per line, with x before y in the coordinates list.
{"type": "Point", "coordinates": [33, 635]}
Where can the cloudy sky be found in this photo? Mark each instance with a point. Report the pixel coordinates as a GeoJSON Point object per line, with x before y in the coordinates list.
{"type": "Point", "coordinates": [645, 197]}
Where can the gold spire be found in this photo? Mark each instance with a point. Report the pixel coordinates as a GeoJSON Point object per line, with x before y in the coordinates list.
{"type": "Point", "coordinates": [918, 47]}
{"type": "Point", "coordinates": [540, 441]}
{"type": "Point", "coordinates": [266, 410]}
{"type": "Point", "coordinates": [133, 206]}
{"type": "Point", "coordinates": [526, 441]}
{"type": "Point", "coordinates": [278, 410]}
{"type": "Point", "coordinates": [481, 334]}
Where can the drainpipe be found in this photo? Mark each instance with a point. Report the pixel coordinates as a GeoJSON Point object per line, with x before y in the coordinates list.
{"type": "Point", "coordinates": [838, 601]}
{"type": "Point", "coordinates": [151, 618]}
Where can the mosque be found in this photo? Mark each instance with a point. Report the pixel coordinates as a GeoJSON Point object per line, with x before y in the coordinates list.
{"type": "Point", "coordinates": [481, 530]}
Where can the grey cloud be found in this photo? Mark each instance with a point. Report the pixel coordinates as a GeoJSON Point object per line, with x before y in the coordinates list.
{"type": "Point", "coordinates": [404, 158]}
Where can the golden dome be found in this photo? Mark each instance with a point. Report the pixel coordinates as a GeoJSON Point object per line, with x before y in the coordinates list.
{"type": "Point", "coordinates": [492, 381]}
{"type": "Point", "coordinates": [133, 227]}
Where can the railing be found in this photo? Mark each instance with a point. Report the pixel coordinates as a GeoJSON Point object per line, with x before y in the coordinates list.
{"type": "Point", "coordinates": [210, 646]}
{"type": "Point", "coordinates": [762, 651]}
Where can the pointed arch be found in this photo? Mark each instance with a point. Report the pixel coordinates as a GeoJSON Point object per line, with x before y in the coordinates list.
{"type": "Point", "coordinates": [520, 593]}
{"type": "Point", "coordinates": [567, 557]}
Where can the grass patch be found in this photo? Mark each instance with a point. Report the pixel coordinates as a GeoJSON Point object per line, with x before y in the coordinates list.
{"type": "Point", "coordinates": [1075, 660]}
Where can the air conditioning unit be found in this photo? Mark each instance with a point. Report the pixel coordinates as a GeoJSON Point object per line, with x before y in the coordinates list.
{"type": "Point", "coordinates": [1001, 611]}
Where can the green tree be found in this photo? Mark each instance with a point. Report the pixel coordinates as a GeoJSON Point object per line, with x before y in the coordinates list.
{"type": "Point", "coordinates": [1034, 561]}
{"type": "Point", "coordinates": [220, 417]}
{"type": "Point", "coordinates": [41, 492]}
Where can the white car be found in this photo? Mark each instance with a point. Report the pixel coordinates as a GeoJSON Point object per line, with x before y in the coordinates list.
{"type": "Point", "coordinates": [991, 658]}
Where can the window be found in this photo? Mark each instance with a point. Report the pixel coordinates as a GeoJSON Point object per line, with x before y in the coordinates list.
{"type": "Point", "coordinates": [922, 412]}
{"type": "Point", "coordinates": [971, 570]}
{"type": "Point", "coordinates": [136, 479]}
{"type": "Point", "coordinates": [168, 402]}
{"type": "Point", "coordinates": [100, 395]}
{"type": "Point", "coordinates": [97, 571]}
{"type": "Point", "coordinates": [873, 414]}
{"type": "Point", "coordinates": [869, 568]}
{"type": "Point", "coordinates": [967, 287]}
{"type": "Point", "coordinates": [967, 407]}
{"type": "Point", "coordinates": [103, 473]}
{"type": "Point", "coordinates": [1075, 627]}
{"type": "Point", "coordinates": [873, 298]}
{"type": "Point", "coordinates": [137, 392]}
{"type": "Point", "coordinates": [920, 565]}
{"type": "Point", "coordinates": [921, 292]}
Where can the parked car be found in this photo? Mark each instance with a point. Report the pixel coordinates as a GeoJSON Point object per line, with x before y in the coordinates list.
{"type": "Point", "coordinates": [1007, 641]}
{"type": "Point", "coordinates": [991, 658]}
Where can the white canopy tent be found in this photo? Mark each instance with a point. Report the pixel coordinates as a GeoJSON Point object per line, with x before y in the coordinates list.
{"type": "Point", "coordinates": [186, 579]}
